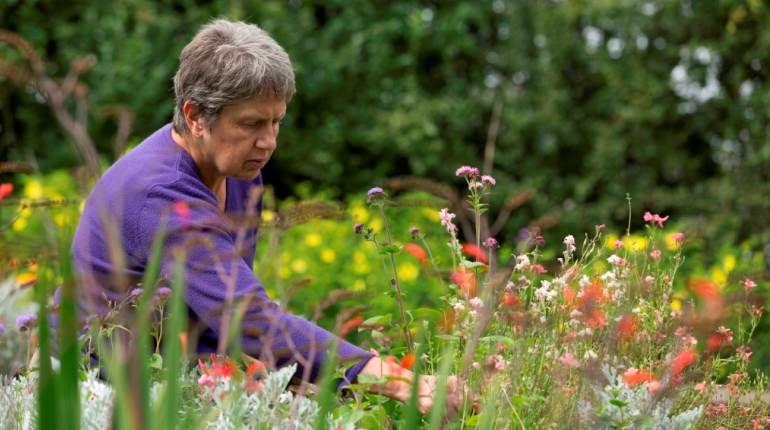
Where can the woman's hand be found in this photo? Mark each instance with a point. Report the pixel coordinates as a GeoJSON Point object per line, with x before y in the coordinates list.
{"type": "Point", "coordinates": [399, 387]}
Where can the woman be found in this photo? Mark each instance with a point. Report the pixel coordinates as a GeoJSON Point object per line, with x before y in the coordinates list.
{"type": "Point", "coordinates": [232, 87]}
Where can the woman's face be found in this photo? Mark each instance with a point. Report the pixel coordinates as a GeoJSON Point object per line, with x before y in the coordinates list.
{"type": "Point", "coordinates": [241, 141]}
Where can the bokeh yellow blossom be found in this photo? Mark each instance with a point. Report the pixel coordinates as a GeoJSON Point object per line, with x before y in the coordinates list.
{"type": "Point", "coordinates": [359, 285]}
{"type": "Point", "coordinates": [313, 239]}
{"type": "Point", "coordinates": [328, 255]}
{"type": "Point", "coordinates": [407, 271]}
{"type": "Point", "coordinates": [299, 265]}
{"type": "Point", "coordinates": [359, 213]}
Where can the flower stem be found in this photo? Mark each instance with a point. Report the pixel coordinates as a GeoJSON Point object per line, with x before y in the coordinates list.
{"type": "Point", "coordinates": [433, 263]}
{"type": "Point", "coordinates": [407, 336]}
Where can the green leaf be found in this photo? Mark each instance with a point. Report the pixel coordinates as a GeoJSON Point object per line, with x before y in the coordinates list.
{"type": "Point", "coordinates": [446, 337]}
{"type": "Point", "coordinates": [378, 320]}
{"type": "Point", "coordinates": [618, 403]}
{"type": "Point", "coordinates": [496, 338]}
{"type": "Point", "coordinates": [391, 249]}
{"type": "Point", "coordinates": [424, 313]}
{"type": "Point", "coordinates": [471, 264]}
{"type": "Point", "coordinates": [155, 362]}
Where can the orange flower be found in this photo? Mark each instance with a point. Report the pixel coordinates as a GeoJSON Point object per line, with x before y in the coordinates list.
{"type": "Point", "coordinates": [510, 300]}
{"type": "Point", "coordinates": [596, 319]}
{"type": "Point", "coordinates": [466, 280]}
{"type": "Point", "coordinates": [627, 326]}
{"type": "Point", "coordinates": [183, 340]}
{"type": "Point", "coordinates": [569, 295]}
{"type": "Point", "coordinates": [683, 361]}
{"type": "Point", "coordinates": [407, 361]}
{"type": "Point", "coordinates": [416, 250]}
{"type": "Point", "coordinates": [705, 289]}
{"type": "Point", "coordinates": [634, 377]}
{"type": "Point", "coordinates": [351, 324]}
{"type": "Point", "coordinates": [5, 190]}
{"type": "Point", "coordinates": [475, 252]}
{"type": "Point", "coordinates": [218, 369]}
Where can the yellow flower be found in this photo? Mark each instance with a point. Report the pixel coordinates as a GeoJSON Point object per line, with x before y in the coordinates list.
{"type": "Point", "coordinates": [313, 239]}
{"type": "Point", "coordinates": [267, 215]}
{"type": "Point", "coordinates": [671, 244]}
{"type": "Point", "coordinates": [729, 263]}
{"type": "Point", "coordinates": [328, 255]}
{"type": "Point", "coordinates": [359, 285]}
{"type": "Point", "coordinates": [61, 219]}
{"type": "Point", "coordinates": [408, 271]}
{"type": "Point", "coordinates": [285, 257]}
{"type": "Point", "coordinates": [359, 257]}
{"type": "Point", "coordinates": [285, 272]}
{"type": "Point", "coordinates": [376, 224]}
{"type": "Point", "coordinates": [635, 243]}
{"type": "Point", "coordinates": [359, 213]}
{"type": "Point", "coordinates": [19, 224]}
{"type": "Point", "coordinates": [676, 305]}
{"type": "Point", "coordinates": [718, 275]}
{"type": "Point", "coordinates": [431, 214]}
{"type": "Point", "coordinates": [299, 266]}
{"type": "Point", "coordinates": [33, 190]}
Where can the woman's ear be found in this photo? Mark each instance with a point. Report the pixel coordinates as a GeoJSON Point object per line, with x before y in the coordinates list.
{"type": "Point", "coordinates": [193, 118]}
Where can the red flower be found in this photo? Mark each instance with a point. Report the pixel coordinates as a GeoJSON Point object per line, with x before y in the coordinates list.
{"type": "Point", "coordinates": [351, 324]}
{"type": "Point", "coordinates": [683, 361]}
{"type": "Point", "coordinates": [627, 326]}
{"type": "Point", "coordinates": [408, 361]}
{"type": "Point", "coordinates": [475, 252]}
{"type": "Point", "coordinates": [465, 280]}
{"type": "Point", "coordinates": [218, 369]}
{"type": "Point", "coordinates": [5, 190]}
{"type": "Point", "coordinates": [634, 377]}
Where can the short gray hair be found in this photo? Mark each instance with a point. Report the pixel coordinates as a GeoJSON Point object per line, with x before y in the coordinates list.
{"type": "Point", "coordinates": [227, 63]}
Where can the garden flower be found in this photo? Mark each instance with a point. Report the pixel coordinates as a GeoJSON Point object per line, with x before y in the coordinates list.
{"type": "Point", "coordinates": [618, 244]}
{"type": "Point", "coordinates": [467, 171]}
{"type": "Point", "coordinates": [414, 231]}
{"type": "Point", "coordinates": [135, 294]}
{"type": "Point", "coordinates": [655, 254]}
{"type": "Point", "coordinates": [537, 269]}
{"type": "Point", "coordinates": [2, 329]}
{"type": "Point", "coordinates": [474, 252]}
{"type": "Point", "coordinates": [491, 242]}
{"type": "Point", "coordinates": [358, 228]}
{"type": "Point", "coordinates": [748, 284]}
{"type": "Point", "coordinates": [634, 376]}
{"type": "Point", "coordinates": [163, 293]}
{"type": "Point", "coordinates": [523, 262]}
{"type": "Point", "coordinates": [616, 261]}
{"type": "Point", "coordinates": [476, 304]}
{"type": "Point", "coordinates": [408, 361]}
{"type": "Point", "coordinates": [488, 179]}
{"type": "Point", "coordinates": [683, 361]}
{"type": "Point", "coordinates": [569, 360]}
{"type": "Point", "coordinates": [5, 190]}
{"type": "Point", "coordinates": [570, 242]}
{"type": "Point", "coordinates": [655, 219]}
{"type": "Point", "coordinates": [26, 322]}
{"type": "Point", "coordinates": [446, 220]}
{"type": "Point", "coordinates": [375, 195]}
{"type": "Point", "coordinates": [649, 279]}
{"type": "Point", "coordinates": [496, 362]}
{"type": "Point", "coordinates": [351, 324]}
{"type": "Point", "coordinates": [702, 387]}
{"type": "Point", "coordinates": [725, 333]}
{"type": "Point", "coordinates": [678, 238]}
{"type": "Point", "coordinates": [416, 250]}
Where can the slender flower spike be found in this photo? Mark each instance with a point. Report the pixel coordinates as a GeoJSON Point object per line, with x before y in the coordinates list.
{"type": "Point", "coordinates": [375, 195]}
{"type": "Point", "coordinates": [26, 322]}
{"type": "Point", "coordinates": [358, 228]}
{"type": "Point", "coordinates": [491, 242]}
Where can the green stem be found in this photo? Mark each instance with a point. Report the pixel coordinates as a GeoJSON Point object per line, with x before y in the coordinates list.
{"type": "Point", "coordinates": [433, 263]}
{"type": "Point", "coordinates": [407, 335]}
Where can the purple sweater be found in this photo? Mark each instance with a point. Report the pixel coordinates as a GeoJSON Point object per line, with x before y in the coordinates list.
{"type": "Point", "coordinates": [129, 204]}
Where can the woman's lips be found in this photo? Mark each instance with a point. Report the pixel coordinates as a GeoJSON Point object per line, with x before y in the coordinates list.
{"type": "Point", "coordinates": [256, 164]}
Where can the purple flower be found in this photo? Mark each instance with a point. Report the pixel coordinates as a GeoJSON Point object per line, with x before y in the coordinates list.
{"type": "Point", "coordinates": [491, 242]}
{"type": "Point", "coordinates": [375, 195]}
{"type": "Point", "coordinates": [358, 228]}
{"type": "Point", "coordinates": [467, 171]}
{"type": "Point", "coordinates": [135, 293]}
{"type": "Point", "coordinates": [413, 231]}
{"type": "Point", "coordinates": [163, 293]}
{"type": "Point", "coordinates": [488, 179]}
{"type": "Point", "coordinates": [26, 322]}
{"type": "Point", "coordinates": [2, 329]}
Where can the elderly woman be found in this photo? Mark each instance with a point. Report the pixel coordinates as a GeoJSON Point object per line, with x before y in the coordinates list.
{"type": "Point", "coordinates": [189, 180]}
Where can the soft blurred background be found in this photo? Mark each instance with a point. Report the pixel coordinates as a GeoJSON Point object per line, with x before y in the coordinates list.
{"type": "Point", "coordinates": [580, 103]}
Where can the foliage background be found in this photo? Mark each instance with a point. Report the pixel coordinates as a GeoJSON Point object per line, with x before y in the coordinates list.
{"type": "Point", "coordinates": [664, 100]}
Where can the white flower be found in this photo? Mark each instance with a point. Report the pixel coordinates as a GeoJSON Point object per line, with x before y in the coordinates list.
{"type": "Point", "coordinates": [590, 355]}
{"type": "Point", "coordinates": [477, 304]}
{"type": "Point", "coordinates": [608, 276]}
{"type": "Point", "coordinates": [523, 262]}
{"type": "Point", "coordinates": [649, 279]}
{"type": "Point", "coordinates": [570, 242]}
{"type": "Point", "coordinates": [584, 281]}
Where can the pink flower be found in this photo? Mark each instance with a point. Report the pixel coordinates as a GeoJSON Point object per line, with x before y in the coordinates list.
{"type": "Point", "coordinates": [496, 362]}
{"type": "Point", "coordinates": [616, 261]}
{"type": "Point", "coordinates": [537, 269]}
{"type": "Point", "coordinates": [655, 254]}
{"type": "Point", "coordinates": [446, 220]}
{"type": "Point", "coordinates": [653, 386]}
{"type": "Point", "coordinates": [655, 219]}
{"type": "Point", "coordinates": [678, 238]}
{"type": "Point", "coordinates": [488, 179]}
{"type": "Point", "coordinates": [468, 171]}
{"type": "Point", "coordinates": [748, 284]}
{"type": "Point", "coordinates": [702, 387]}
{"type": "Point", "coordinates": [491, 242]}
{"type": "Point", "coordinates": [5, 190]}
{"type": "Point", "coordinates": [569, 360]}
{"type": "Point", "coordinates": [726, 333]}
{"type": "Point", "coordinates": [618, 245]}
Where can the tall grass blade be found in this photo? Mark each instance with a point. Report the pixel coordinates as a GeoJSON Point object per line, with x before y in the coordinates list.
{"type": "Point", "coordinates": [438, 413]}
{"type": "Point", "coordinates": [69, 394]}
{"type": "Point", "coordinates": [47, 396]}
{"type": "Point", "coordinates": [172, 347]}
